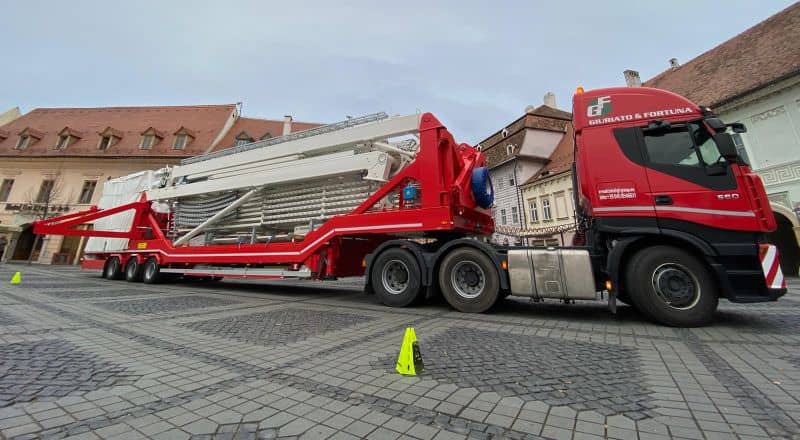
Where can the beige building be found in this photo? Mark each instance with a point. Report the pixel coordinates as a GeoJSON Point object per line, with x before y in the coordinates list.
{"type": "Point", "coordinates": [9, 115]}
{"type": "Point", "coordinates": [55, 160]}
{"type": "Point", "coordinates": [548, 198]}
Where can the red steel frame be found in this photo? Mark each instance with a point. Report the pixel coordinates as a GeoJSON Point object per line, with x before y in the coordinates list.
{"type": "Point", "coordinates": [442, 170]}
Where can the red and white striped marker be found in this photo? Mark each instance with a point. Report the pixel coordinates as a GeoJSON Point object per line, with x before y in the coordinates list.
{"type": "Point", "coordinates": [768, 254]}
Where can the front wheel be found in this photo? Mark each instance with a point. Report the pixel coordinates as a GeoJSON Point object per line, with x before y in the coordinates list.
{"type": "Point", "coordinates": [396, 277]}
{"type": "Point", "coordinates": [469, 280]}
{"type": "Point", "coordinates": [671, 286]}
{"type": "Point", "coordinates": [151, 274]}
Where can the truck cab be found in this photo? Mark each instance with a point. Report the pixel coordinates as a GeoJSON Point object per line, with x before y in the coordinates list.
{"type": "Point", "coordinates": [668, 206]}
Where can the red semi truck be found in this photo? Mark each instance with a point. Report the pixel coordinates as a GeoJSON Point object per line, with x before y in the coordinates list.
{"type": "Point", "coordinates": [671, 218]}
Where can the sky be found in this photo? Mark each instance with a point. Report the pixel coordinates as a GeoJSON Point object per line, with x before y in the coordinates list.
{"type": "Point", "coordinates": [475, 64]}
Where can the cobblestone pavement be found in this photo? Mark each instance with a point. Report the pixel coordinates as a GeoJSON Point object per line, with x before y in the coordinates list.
{"type": "Point", "coordinates": [82, 357]}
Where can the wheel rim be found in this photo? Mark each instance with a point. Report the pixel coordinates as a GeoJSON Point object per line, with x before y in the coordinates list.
{"type": "Point", "coordinates": [468, 279]}
{"type": "Point", "coordinates": [150, 270]}
{"type": "Point", "coordinates": [676, 286]}
{"type": "Point", "coordinates": [132, 268]}
{"type": "Point", "coordinates": [395, 276]}
{"type": "Point", "coordinates": [113, 267]}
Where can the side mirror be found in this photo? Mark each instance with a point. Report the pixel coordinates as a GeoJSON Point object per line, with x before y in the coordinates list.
{"type": "Point", "coordinates": [738, 127]}
{"type": "Point", "coordinates": [726, 147]}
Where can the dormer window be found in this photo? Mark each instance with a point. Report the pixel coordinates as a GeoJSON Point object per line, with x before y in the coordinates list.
{"type": "Point", "coordinates": [67, 137]}
{"type": "Point", "coordinates": [504, 133]}
{"type": "Point", "coordinates": [108, 138]}
{"type": "Point", "coordinates": [243, 138]}
{"type": "Point", "coordinates": [479, 147]}
{"type": "Point", "coordinates": [28, 137]}
{"type": "Point", "coordinates": [150, 137]}
{"type": "Point", "coordinates": [3, 135]}
{"type": "Point", "coordinates": [183, 137]}
{"type": "Point", "coordinates": [267, 135]}
{"type": "Point", "coordinates": [510, 149]}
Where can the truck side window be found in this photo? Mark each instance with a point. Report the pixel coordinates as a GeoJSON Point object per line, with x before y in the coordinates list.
{"type": "Point", "coordinates": [671, 147]}
{"type": "Point", "coordinates": [709, 153]}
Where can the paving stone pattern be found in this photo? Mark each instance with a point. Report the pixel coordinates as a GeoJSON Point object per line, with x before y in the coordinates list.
{"type": "Point", "coordinates": [279, 326]}
{"type": "Point", "coordinates": [53, 368]}
{"type": "Point", "coordinates": [584, 376]}
{"type": "Point", "coordinates": [162, 305]}
{"type": "Point", "coordinates": [8, 319]}
{"type": "Point", "coordinates": [576, 373]}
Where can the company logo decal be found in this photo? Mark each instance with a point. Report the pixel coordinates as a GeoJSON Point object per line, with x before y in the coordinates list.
{"type": "Point", "coordinates": [600, 106]}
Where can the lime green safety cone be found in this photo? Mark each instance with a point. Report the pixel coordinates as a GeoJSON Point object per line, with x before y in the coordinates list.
{"type": "Point", "coordinates": [16, 279]}
{"type": "Point", "coordinates": [409, 362]}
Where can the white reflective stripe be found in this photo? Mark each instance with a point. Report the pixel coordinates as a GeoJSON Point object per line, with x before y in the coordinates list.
{"type": "Point", "coordinates": [777, 283]}
{"type": "Point", "coordinates": [768, 260]}
{"type": "Point", "coordinates": [676, 209]}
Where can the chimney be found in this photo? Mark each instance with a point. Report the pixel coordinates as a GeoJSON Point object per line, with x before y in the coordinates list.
{"type": "Point", "coordinates": [632, 78]}
{"type": "Point", "coordinates": [550, 99]}
{"type": "Point", "coordinates": [673, 63]}
{"type": "Point", "coordinates": [287, 124]}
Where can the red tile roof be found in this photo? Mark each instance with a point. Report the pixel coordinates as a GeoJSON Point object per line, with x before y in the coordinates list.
{"type": "Point", "coordinates": [762, 55]}
{"type": "Point", "coordinates": [205, 122]}
{"type": "Point", "coordinates": [258, 129]}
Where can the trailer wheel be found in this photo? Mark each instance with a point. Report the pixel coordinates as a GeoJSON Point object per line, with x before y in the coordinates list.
{"type": "Point", "coordinates": [396, 277]}
{"type": "Point", "coordinates": [113, 269]}
{"type": "Point", "coordinates": [151, 274]}
{"type": "Point", "coordinates": [469, 280]}
{"type": "Point", "coordinates": [133, 271]}
{"type": "Point", "coordinates": [672, 287]}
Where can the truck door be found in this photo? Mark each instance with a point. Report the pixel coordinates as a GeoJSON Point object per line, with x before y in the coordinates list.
{"type": "Point", "coordinates": [689, 180]}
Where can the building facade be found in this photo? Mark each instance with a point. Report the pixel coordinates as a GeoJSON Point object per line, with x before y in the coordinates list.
{"type": "Point", "coordinates": [55, 160]}
{"type": "Point", "coordinates": [9, 115]}
{"type": "Point", "coordinates": [754, 78]}
{"type": "Point", "coordinates": [549, 199]}
{"type": "Point", "coordinates": [515, 154]}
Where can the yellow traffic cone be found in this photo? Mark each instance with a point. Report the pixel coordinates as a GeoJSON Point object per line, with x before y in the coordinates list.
{"type": "Point", "coordinates": [409, 362]}
{"type": "Point", "coordinates": [16, 279]}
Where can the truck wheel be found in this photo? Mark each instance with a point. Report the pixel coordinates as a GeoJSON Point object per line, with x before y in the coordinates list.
{"type": "Point", "coordinates": [396, 277]}
{"type": "Point", "coordinates": [133, 271]}
{"type": "Point", "coordinates": [671, 287]}
{"type": "Point", "coordinates": [151, 274]}
{"type": "Point", "coordinates": [469, 280]}
{"type": "Point", "coordinates": [113, 269]}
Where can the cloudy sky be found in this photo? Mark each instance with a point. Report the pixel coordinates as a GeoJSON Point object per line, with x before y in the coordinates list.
{"type": "Point", "coordinates": [475, 64]}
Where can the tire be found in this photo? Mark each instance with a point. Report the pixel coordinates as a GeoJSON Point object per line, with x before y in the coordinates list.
{"type": "Point", "coordinates": [151, 273]}
{"type": "Point", "coordinates": [482, 189]}
{"type": "Point", "coordinates": [113, 269]}
{"type": "Point", "coordinates": [133, 271]}
{"type": "Point", "coordinates": [672, 287]}
{"type": "Point", "coordinates": [469, 280]}
{"type": "Point", "coordinates": [396, 278]}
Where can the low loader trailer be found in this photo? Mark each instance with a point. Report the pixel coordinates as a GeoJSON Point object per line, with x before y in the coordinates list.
{"type": "Point", "coordinates": [670, 217]}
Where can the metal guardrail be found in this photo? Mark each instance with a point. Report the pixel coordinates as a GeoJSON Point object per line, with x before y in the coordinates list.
{"type": "Point", "coordinates": [351, 122]}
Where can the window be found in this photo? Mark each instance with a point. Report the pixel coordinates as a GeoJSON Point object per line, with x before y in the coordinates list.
{"type": "Point", "coordinates": [180, 142]}
{"type": "Point", "coordinates": [45, 191]}
{"type": "Point", "coordinates": [147, 141]}
{"type": "Point", "coordinates": [105, 142]}
{"type": "Point", "coordinates": [509, 149]}
{"type": "Point", "coordinates": [561, 205]}
{"type": "Point", "coordinates": [511, 181]}
{"type": "Point", "coordinates": [674, 147]}
{"type": "Point", "coordinates": [503, 218]}
{"type": "Point", "coordinates": [548, 215]}
{"type": "Point", "coordinates": [240, 142]}
{"type": "Point", "coordinates": [740, 148]}
{"type": "Point", "coordinates": [88, 191]}
{"type": "Point", "coordinates": [22, 142]}
{"type": "Point", "coordinates": [534, 211]}
{"type": "Point", "coordinates": [63, 142]}
{"type": "Point", "coordinates": [514, 215]}
{"type": "Point", "coordinates": [5, 189]}
{"type": "Point", "coordinates": [504, 133]}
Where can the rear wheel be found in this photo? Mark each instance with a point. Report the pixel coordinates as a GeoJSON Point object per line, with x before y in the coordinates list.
{"type": "Point", "coordinates": [113, 269]}
{"type": "Point", "coordinates": [151, 274]}
{"type": "Point", "coordinates": [469, 280]}
{"type": "Point", "coordinates": [396, 277]}
{"type": "Point", "coordinates": [133, 271]}
{"type": "Point", "coordinates": [672, 287]}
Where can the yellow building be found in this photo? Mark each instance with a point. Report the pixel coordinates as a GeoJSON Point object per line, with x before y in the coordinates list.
{"type": "Point", "coordinates": [55, 160]}
{"type": "Point", "coordinates": [548, 199]}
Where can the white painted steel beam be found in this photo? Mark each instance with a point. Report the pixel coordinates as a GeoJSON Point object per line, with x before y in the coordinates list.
{"type": "Point", "coordinates": [199, 228]}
